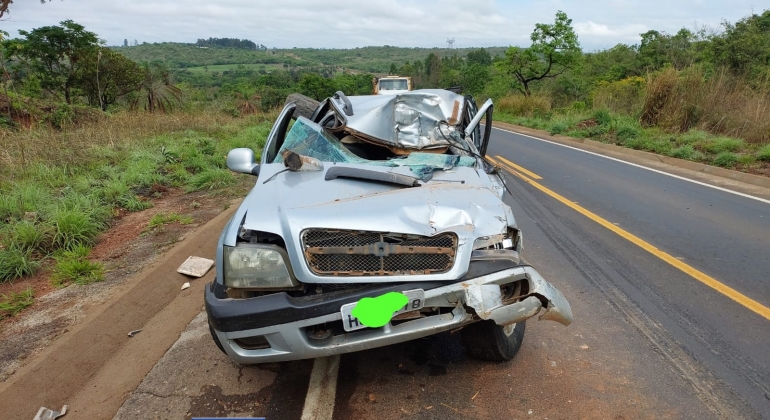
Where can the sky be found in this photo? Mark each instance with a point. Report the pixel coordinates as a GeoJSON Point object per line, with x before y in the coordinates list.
{"type": "Point", "coordinates": [599, 24]}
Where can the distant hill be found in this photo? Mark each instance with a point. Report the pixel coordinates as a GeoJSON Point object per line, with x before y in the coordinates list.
{"type": "Point", "coordinates": [366, 59]}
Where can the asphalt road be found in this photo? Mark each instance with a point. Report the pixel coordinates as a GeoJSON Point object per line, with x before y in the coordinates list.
{"type": "Point", "coordinates": [649, 339]}
{"type": "Point", "coordinates": [718, 346]}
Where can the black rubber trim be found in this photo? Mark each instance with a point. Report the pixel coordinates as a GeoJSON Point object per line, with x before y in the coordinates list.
{"type": "Point", "coordinates": [230, 315]}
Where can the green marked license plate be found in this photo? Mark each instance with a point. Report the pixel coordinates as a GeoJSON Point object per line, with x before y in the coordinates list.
{"type": "Point", "coordinates": [416, 301]}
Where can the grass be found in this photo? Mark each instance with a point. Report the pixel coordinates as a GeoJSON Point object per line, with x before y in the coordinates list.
{"type": "Point", "coordinates": [74, 228]}
{"type": "Point", "coordinates": [74, 267]}
{"type": "Point", "coordinates": [601, 125]}
{"type": "Point", "coordinates": [763, 153]}
{"type": "Point", "coordinates": [15, 263]}
{"type": "Point", "coordinates": [161, 219]}
{"type": "Point", "coordinates": [13, 303]}
{"type": "Point", "coordinates": [59, 189]}
{"type": "Point", "coordinates": [726, 159]}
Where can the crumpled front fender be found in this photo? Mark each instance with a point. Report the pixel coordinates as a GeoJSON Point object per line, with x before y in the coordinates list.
{"type": "Point", "coordinates": [484, 296]}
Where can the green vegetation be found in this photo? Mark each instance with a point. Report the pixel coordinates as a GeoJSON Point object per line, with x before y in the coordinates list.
{"type": "Point", "coordinates": [73, 266]}
{"type": "Point", "coordinates": [234, 67]}
{"type": "Point", "coordinates": [60, 188]}
{"type": "Point", "coordinates": [375, 60]}
{"type": "Point", "coordinates": [161, 219]}
{"type": "Point", "coordinates": [13, 303]}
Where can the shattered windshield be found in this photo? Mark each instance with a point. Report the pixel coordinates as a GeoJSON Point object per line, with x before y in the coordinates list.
{"type": "Point", "coordinates": [309, 139]}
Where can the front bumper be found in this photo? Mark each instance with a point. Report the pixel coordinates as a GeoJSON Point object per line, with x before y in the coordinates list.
{"type": "Point", "coordinates": [287, 324]}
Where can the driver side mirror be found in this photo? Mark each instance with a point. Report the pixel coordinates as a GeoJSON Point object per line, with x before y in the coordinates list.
{"type": "Point", "coordinates": [242, 161]}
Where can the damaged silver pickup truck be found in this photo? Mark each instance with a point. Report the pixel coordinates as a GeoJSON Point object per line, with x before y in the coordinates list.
{"type": "Point", "coordinates": [372, 197]}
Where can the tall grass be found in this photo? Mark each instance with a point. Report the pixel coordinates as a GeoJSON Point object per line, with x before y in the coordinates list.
{"type": "Point", "coordinates": [719, 103]}
{"type": "Point", "coordinates": [524, 106]}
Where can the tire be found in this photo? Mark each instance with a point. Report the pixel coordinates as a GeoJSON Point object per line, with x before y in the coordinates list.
{"type": "Point", "coordinates": [216, 339]}
{"type": "Point", "coordinates": [486, 340]}
{"type": "Point", "coordinates": [305, 105]}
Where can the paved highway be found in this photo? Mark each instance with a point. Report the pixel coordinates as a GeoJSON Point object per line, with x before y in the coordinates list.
{"type": "Point", "coordinates": [707, 313]}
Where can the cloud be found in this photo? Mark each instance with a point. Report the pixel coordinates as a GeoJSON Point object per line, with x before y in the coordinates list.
{"type": "Point", "coordinates": [355, 23]}
{"type": "Point", "coordinates": [593, 32]}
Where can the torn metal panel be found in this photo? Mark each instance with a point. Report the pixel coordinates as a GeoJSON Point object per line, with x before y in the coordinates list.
{"type": "Point", "coordinates": [480, 295]}
{"type": "Point", "coordinates": [418, 120]}
{"type": "Point", "coordinates": [483, 298]}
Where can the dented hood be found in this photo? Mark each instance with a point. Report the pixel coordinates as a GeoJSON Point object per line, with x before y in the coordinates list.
{"type": "Point", "coordinates": [295, 201]}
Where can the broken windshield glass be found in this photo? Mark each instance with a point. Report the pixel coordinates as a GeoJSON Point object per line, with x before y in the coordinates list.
{"type": "Point", "coordinates": [309, 139]}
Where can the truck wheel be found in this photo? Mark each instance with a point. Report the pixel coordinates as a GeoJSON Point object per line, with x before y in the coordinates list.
{"type": "Point", "coordinates": [486, 340]}
{"type": "Point", "coordinates": [216, 339]}
{"type": "Point", "coordinates": [305, 105]}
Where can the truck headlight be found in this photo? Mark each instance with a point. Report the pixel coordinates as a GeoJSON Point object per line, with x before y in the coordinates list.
{"type": "Point", "coordinates": [256, 266]}
{"type": "Point", "coordinates": [511, 240]}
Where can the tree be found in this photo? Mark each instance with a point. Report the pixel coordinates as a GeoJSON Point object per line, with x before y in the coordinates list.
{"type": "Point", "coordinates": [659, 48]}
{"type": "Point", "coordinates": [744, 45]}
{"type": "Point", "coordinates": [125, 42]}
{"type": "Point", "coordinates": [432, 70]}
{"type": "Point", "coordinates": [480, 56]}
{"type": "Point", "coordinates": [4, 4]}
{"type": "Point", "coordinates": [56, 53]}
{"type": "Point", "coordinates": [555, 49]}
{"type": "Point", "coordinates": [107, 75]}
{"type": "Point", "coordinates": [158, 93]}
{"type": "Point", "coordinates": [474, 77]}
{"type": "Point", "coordinates": [316, 86]}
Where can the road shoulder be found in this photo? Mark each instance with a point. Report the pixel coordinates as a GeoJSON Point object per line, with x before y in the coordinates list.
{"type": "Point", "coordinates": [97, 357]}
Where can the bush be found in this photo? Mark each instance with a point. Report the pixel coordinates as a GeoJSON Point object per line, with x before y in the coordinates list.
{"type": "Point", "coordinates": [558, 128]}
{"type": "Point", "coordinates": [686, 152]}
{"type": "Point", "coordinates": [726, 159]}
{"type": "Point", "coordinates": [746, 160]}
{"type": "Point", "coordinates": [602, 117]}
{"type": "Point", "coordinates": [763, 153]}
{"type": "Point", "coordinates": [624, 96]}
{"type": "Point", "coordinates": [61, 117]}
{"type": "Point", "coordinates": [73, 266]}
{"type": "Point", "coordinates": [626, 132]}
{"type": "Point", "coordinates": [723, 144]}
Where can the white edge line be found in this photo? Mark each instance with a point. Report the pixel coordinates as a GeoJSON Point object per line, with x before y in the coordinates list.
{"type": "Point", "coordinates": [322, 389]}
{"type": "Point", "coordinates": [641, 166]}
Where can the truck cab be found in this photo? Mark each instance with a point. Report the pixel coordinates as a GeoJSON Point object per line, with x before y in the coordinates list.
{"type": "Point", "coordinates": [391, 85]}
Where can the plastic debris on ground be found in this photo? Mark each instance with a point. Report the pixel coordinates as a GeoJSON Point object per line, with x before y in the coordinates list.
{"type": "Point", "coordinates": [48, 414]}
{"type": "Point", "coordinates": [195, 267]}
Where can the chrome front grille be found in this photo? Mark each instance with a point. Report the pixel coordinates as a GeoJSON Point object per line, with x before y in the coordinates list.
{"type": "Point", "coordinates": [357, 253]}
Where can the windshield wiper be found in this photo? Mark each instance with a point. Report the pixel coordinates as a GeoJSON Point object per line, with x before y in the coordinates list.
{"type": "Point", "coordinates": [366, 174]}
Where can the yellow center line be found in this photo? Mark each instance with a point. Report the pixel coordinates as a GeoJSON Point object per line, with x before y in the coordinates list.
{"type": "Point", "coordinates": [685, 268]}
{"type": "Point", "coordinates": [519, 168]}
